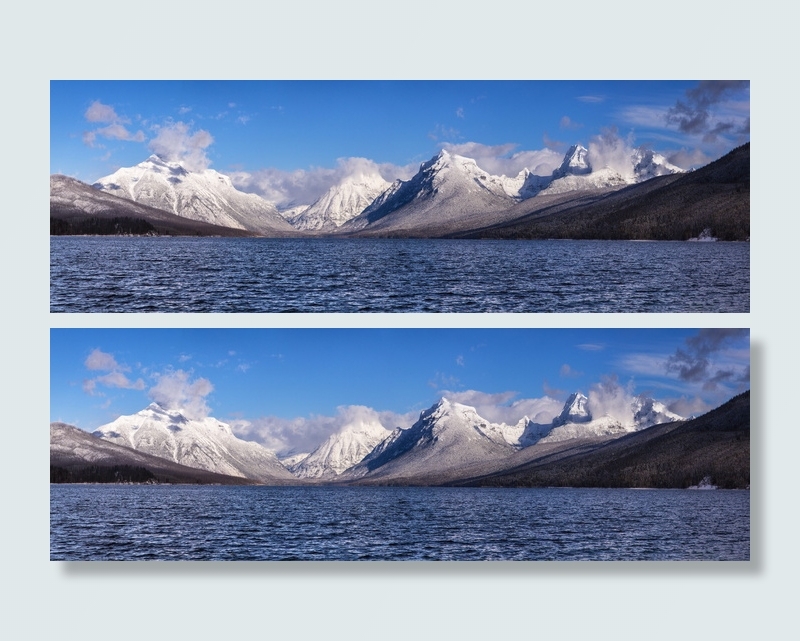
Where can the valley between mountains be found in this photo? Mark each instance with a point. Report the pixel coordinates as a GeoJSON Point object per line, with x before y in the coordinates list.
{"type": "Point", "coordinates": [450, 444]}
{"type": "Point", "coordinates": [449, 196]}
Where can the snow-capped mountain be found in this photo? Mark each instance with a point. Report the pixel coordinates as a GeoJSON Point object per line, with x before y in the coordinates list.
{"type": "Point", "coordinates": [75, 452]}
{"type": "Point", "coordinates": [206, 195]}
{"type": "Point", "coordinates": [74, 203]}
{"type": "Point", "coordinates": [575, 411]}
{"type": "Point", "coordinates": [648, 412]}
{"type": "Point", "coordinates": [577, 421]}
{"type": "Point", "coordinates": [206, 444]}
{"type": "Point", "coordinates": [341, 451]}
{"type": "Point", "coordinates": [575, 163]}
{"type": "Point", "coordinates": [579, 172]}
{"type": "Point", "coordinates": [450, 193]}
{"type": "Point", "coordinates": [444, 191]}
{"type": "Point", "coordinates": [648, 164]}
{"type": "Point", "coordinates": [340, 203]}
{"type": "Point", "coordinates": [448, 438]}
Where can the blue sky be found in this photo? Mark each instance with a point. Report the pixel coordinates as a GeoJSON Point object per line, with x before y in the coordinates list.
{"type": "Point", "coordinates": [290, 388]}
{"type": "Point", "coordinates": [290, 140]}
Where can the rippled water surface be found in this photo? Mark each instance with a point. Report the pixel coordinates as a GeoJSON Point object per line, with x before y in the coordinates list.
{"type": "Point", "coordinates": [105, 522]}
{"type": "Point", "coordinates": [102, 274]}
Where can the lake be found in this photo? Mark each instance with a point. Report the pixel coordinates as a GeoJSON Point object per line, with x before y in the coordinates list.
{"type": "Point", "coordinates": [159, 274]}
{"type": "Point", "coordinates": [179, 522]}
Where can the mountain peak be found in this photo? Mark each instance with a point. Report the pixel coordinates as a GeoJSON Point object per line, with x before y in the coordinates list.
{"type": "Point", "coordinates": [207, 443]}
{"type": "Point", "coordinates": [576, 162]}
{"type": "Point", "coordinates": [575, 410]}
{"type": "Point", "coordinates": [205, 196]}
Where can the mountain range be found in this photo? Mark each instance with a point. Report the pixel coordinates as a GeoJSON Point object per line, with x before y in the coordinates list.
{"type": "Point", "coordinates": [449, 443]}
{"type": "Point", "coordinates": [206, 444]}
{"type": "Point", "coordinates": [206, 196]}
{"type": "Point", "coordinates": [450, 195]}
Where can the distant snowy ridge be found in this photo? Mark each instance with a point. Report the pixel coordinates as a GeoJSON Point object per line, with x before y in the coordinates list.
{"type": "Point", "coordinates": [448, 193]}
{"type": "Point", "coordinates": [341, 451]}
{"type": "Point", "coordinates": [450, 436]}
{"type": "Point", "coordinates": [206, 444]}
{"type": "Point", "coordinates": [206, 196]}
{"type": "Point", "coordinates": [447, 437]}
{"type": "Point", "coordinates": [449, 184]}
{"type": "Point", "coordinates": [577, 421]}
{"type": "Point", "coordinates": [452, 192]}
{"type": "Point", "coordinates": [340, 203]}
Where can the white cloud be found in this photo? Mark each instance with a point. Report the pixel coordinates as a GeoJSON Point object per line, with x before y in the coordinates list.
{"type": "Point", "coordinates": [567, 123]}
{"type": "Point", "coordinates": [99, 360]}
{"type": "Point", "coordinates": [610, 150]}
{"type": "Point", "coordinates": [503, 160]}
{"type": "Point", "coordinates": [118, 132]}
{"type": "Point", "coordinates": [567, 372]}
{"type": "Point", "coordinates": [114, 130]}
{"type": "Point", "coordinates": [591, 347]}
{"type": "Point", "coordinates": [304, 434]}
{"type": "Point", "coordinates": [501, 408]}
{"type": "Point", "coordinates": [687, 158]}
{"type": "Point", "coordinates": [688, 406]}
{"type": "Point", "coordinates": [303, 187]}
{"type": "Point", "coordinates": [176, 142]}
{"type": "Point", "coordinates": [98, 112]}
{"type": "Point", "coordinates": [176, 390]}
{"type": "Point", "coordinates": [610, 398]}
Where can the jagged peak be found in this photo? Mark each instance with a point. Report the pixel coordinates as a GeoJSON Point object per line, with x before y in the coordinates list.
{"type": "Point", "coordinates": [575, 162]}
{"type": "Point", "coordinates": [576, 410]}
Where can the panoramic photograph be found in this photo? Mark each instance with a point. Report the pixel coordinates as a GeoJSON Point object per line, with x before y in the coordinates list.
{"type": "Point", "coordinates": [400, 196]}
{"type": "Point", "coordinates": [400, 444]}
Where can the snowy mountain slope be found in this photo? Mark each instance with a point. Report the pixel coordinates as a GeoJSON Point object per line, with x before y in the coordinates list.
{"type": "Point", "coordinates": [576, 419]}
{"type": "Point", "coordinates": [340, 203]}
{"type": "Point", "coordinates": [575, 411]}
{"type": "Point", "coordinates": [75, 203]}
{"type": "Point", "coordinates": [451, 194]}
{"type": "Point", "coordinates": [444, 190]}
{"type": "Point", "coordinates": [75, 451]}
{"type": "Point", "coordinates": [677, 455]}
{"type": "Point", "coordinates": [648, 164]}
{"type": "Point", "coordinates": [341, 451]}
{"type": "Point", "coordinates": [648, 412]}
{"type": "Point", "coordinates": [448, 439]}
{"type": "Point", "coordinates": [577, 173]}
{"type": "Point", "coordinates": [206, 196]}
{"type": "Point", "coordinates": [206, 444]}
{"type": "Point", "coordinates": [452, 441]}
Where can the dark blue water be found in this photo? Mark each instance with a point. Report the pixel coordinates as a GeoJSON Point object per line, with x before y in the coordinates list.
{"type": "Point", "coordinates": [105, 522]}
{"type": "Point", "coordinates": [102, 274]}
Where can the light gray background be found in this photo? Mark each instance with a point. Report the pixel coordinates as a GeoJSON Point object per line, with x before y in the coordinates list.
{"type": "Point", "coordinates": [411, 39]}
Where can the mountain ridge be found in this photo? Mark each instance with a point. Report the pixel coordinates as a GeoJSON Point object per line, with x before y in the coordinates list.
{"type": "Point", "coordinates": [201, 443]}
{"type": "Point", "coordinates": [205, 196]}
{"type": "Point", "coordinates": [450, 196]}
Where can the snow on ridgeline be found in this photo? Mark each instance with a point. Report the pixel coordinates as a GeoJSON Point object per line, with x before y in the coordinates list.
{"type": "Point", "coordinates": [452, 192]}
{"type": "Point", "coordinates": [451, 437]}
{"type": "Point", "coordinates": [450, 185]}
{"type": "Point", "coordinates": [206, 444]}
{"type": "Point", "coordinates": [207, 195]}
{"type": "Point", "coordinates": [448, 438]}
{"type": "Point", "coordinates": [340, 203]}
{"type": "Point", "coordinates": [341, 451]}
